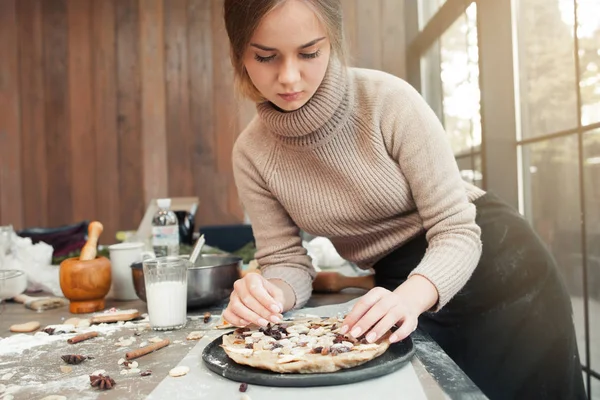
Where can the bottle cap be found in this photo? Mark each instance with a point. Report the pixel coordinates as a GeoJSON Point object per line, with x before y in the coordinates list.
{"type": "Point", "coordinates": [163, 203]}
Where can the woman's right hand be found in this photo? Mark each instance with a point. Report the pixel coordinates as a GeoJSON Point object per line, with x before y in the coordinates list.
{"type": "Point", "coordinates": [255, 300]}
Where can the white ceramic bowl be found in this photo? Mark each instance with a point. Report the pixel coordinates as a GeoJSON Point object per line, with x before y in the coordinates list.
{"type": "Point", "coordinates": [12, 283]}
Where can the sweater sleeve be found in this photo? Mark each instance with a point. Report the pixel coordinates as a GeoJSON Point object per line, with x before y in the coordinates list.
{"type": "Point", "coordinates": [280, 253]}
{"type": "Point", "coordinates": [417, 141]}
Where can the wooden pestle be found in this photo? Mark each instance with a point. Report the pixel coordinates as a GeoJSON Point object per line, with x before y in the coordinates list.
{"type": "Point", "coordinates": [88, 252]}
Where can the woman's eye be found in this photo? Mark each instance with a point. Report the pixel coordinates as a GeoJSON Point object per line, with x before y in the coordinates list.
{"type": "Point", "coordinates": [263, 59]}
{"type": "Point", "coordinates": [311, 55]}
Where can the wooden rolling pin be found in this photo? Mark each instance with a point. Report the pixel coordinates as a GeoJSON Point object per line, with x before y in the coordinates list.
{"type": "Point", "coordinates": [328, 281]}
{"type": "Point", "coordinates": [88, 252]}
{"type": "Point", "coordinates": [333, 282]}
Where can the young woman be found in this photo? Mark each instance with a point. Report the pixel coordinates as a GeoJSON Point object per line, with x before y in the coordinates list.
{"type": "Point", "coordinates": [357, 156]}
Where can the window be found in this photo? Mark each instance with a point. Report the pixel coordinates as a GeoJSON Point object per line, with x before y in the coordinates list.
{"type": "Point", "coordinates": [427, 9]}
{"type": "Point", "coordinates": [553, 54]}
{"type": "Point", "coordinates": [559, 86]}
{"type": "Point", "coordinates": [450, 84]}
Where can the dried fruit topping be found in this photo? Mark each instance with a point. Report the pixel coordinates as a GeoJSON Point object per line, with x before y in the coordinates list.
{"type": "Point", "coordinates": [243, 387]}
{"type": "Point", "coordinates": [273, 331]}
{"type": "Point", "coordinates": [340, 339]}
{"type": "Point", "coordinates": [103, 382]}
{"type": "Point", "coordinates": [324, 351]}
{"type": "Point", "coordinates": [146, 373]}
{"type": "Point", "coordinates": [249, 345]}
{"type": "Point", "coordinates": [206, 317]}
{"type": "Point", "coordinates": [74, 358]}
{"type": "Point", "coordinates": [339, 349]}
{"type": "Point", "coordinates": [317, 350]}
{"type": "Point", "coordinates": [49, 331]}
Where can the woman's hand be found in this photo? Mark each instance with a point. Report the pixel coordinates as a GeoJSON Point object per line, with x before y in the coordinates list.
{"type": "Point", "coordinates": [379, 310]}
{"type": "Point", "coordinates": [256, 300]}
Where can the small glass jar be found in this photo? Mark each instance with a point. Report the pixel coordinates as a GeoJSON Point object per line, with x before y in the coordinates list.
{"type": "Point", "coordinates": [165, 279]}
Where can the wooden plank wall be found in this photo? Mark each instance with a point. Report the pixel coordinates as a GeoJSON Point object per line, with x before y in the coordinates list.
{"type": "Point", "coordinates": [106, 104]}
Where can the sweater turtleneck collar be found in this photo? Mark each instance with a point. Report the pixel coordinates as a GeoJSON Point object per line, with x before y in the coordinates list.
{"type": "Point", "coordinates": [326, 110]}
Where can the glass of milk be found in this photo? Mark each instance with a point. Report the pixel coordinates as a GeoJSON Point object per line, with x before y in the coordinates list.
{"type": "Point", "coordinates": [165, 279]}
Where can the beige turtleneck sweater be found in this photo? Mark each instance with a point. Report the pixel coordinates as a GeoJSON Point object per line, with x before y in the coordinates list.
{"type": "Point", "coordinates": [365, 163]}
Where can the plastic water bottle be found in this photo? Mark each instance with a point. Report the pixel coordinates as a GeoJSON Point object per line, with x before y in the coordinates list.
{"type": "Point", "coordinates": [165, 230]}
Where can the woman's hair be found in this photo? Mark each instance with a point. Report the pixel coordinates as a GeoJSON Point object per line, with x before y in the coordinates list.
{"type": "Point", "coordinates": [242, 17]}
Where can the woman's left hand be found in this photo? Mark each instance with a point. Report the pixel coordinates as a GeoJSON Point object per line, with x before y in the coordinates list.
{"type": "Point", "coordinates": [380, 309]}
{"type": "Point", "coordinates": [377, 312]}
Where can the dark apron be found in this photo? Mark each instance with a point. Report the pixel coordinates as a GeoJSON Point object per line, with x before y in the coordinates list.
{"type": "Point", "coordinates": [510, 329]}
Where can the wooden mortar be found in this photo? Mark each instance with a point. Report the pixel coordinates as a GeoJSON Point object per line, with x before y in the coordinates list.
{"type": "Point", "coordinates": [86, 280]}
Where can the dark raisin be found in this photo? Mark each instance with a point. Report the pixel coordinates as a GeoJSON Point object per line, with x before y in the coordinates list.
{"type": "Point", "coordinates": [276, 345]}
{"type": "Point", "coordinates": [340, 339]}
{"type": "Point", "coordinates": [276, 335]}
{"type": "Point", "coordinates": [281, 329]}
{"type": "Point", "coordinates": [249, 346]}
{"type": "Point", "coordinates": [243, 387]}
{"type": "Point", "coordinates": [146, 373]}
{"type": "Point", "coordinates": [333, 327]}
{"type": "Point", "coordinates": [317, 350]}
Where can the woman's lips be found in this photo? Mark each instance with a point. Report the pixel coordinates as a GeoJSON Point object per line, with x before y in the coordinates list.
{"type": "Point", "coordinates": [290, 96]}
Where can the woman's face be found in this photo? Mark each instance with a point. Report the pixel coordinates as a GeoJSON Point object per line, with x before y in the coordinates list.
{"type": "Point", "coordinates": [288, 55]}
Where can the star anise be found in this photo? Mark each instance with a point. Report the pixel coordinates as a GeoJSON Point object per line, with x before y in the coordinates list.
{"type": "Point", "coordinates": [103, 382]}
{"type": "Point", "coordinates": [74, 358]}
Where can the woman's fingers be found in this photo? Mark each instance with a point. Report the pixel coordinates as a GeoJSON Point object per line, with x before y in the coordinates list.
{"type": "Point", "coordinates": [238, 307]}
{"type": "Point", "coordinates": [385, 324]}
{"type": "Point", "coordinates": [230, 316]}
{"type": "Point", "coordinates": [256, 285]}
{"type": "Point", "coordinates": [248, 298]}
{"type": "Point", "coordinates": [376, 313]}
{"type": "Point", "coordinates": [360, 309]}
{"type": "Point", "coordinates": [408, 326]}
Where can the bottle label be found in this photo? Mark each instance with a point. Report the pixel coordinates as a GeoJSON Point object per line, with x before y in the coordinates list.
{"type": "Point", "coordinates": [165, 235]}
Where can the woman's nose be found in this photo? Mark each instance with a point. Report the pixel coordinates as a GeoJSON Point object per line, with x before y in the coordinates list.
{"type": "Point", "coordinates": [289, 73]}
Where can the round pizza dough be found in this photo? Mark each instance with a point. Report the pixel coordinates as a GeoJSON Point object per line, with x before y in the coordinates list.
{"type": "Point", "coordinates": [318, 347]}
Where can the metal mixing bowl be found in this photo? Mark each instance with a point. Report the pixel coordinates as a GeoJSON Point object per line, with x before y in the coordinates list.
{"type": "Point", "coordinates": [210, 280]}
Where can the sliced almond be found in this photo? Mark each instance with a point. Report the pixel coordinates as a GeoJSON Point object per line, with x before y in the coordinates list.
{"type": "Point", "coordinates": [179, 371]}
{"type": "Point", "coordinates": [195, 335]}
{"type": "Point", "coordinates": [26, 327]}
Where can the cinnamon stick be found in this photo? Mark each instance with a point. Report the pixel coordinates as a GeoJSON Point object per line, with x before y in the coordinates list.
{"type": "Point", "coordinates": [147, 349]}
{"type": "Point", "coordinates": [82, 337]}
